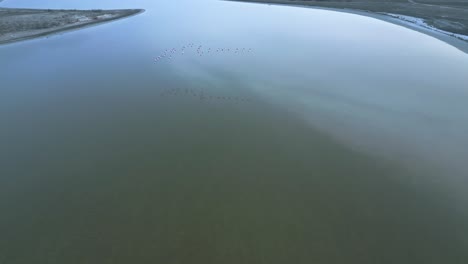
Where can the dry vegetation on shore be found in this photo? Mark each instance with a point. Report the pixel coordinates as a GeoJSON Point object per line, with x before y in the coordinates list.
{"type": "Point", "coordinates": [20, 24]}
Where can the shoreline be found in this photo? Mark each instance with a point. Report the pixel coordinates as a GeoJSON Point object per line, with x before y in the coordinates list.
{"type": "Point", "coordinates": [458, 43]}
{"type": "Point", "coordinates": [106, 17]}
{"type": "Point", "coordinates": [454, 41]}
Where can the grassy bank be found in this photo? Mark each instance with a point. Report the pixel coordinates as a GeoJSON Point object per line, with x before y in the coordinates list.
{"type": "Point", "coordinates": [21, 24]}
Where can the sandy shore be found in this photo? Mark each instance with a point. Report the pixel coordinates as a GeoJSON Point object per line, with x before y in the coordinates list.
{"type": "Point", "coordinates": [22, 24]}
{"type": "Point", "coordinates": [459, 41]}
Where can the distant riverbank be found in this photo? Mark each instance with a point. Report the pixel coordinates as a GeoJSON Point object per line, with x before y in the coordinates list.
{"type": "Point", "coordinates": [21, 24]}
{"type": "Point", "coordinates": [457, 39]}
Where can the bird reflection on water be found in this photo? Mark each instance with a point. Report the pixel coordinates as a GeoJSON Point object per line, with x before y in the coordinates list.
{"type": "Point", "coordinates": [201, 95]}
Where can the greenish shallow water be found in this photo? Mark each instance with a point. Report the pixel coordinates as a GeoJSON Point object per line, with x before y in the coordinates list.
{"type": "Point", "coordinates": [349, 150]}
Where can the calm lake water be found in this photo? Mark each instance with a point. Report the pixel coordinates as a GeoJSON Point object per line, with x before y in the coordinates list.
{"type": "Point", "coordinates": [337, 139]}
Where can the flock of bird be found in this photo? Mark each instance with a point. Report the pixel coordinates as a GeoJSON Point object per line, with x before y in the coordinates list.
{"type": "Point", "coordinates": [200, 50]}
{"type": "Point", "coordinates": [201, 95]}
